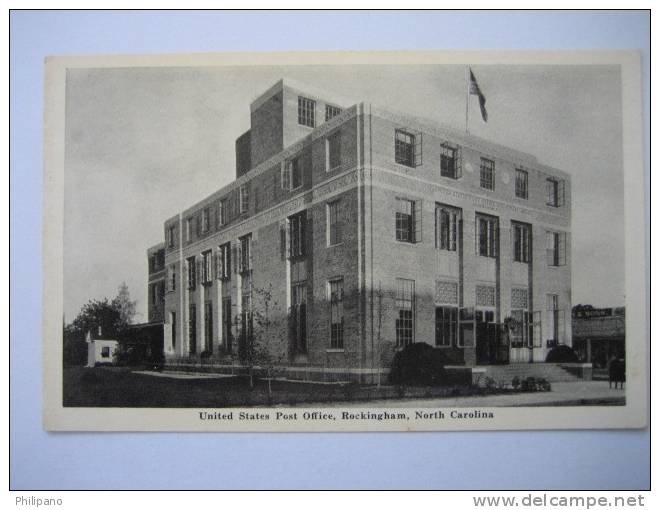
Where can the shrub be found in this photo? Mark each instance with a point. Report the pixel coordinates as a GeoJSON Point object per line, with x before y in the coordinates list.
{"type": "Point", "coordinates": [419, 364]}
{"type": "Point", "coordinates": [205, 354]}
{"type": "Point", "coordinates": [528, 384]}
{"type": "Point", "coordinates": [515, 383]}
{"type": "Point", "coordinates": [561, 354]}
{"type": "Point", "coordinates": [543, 385]}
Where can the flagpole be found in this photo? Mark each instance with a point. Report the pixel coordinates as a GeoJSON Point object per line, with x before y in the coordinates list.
{"type": "Point", "coordinates": [467, 97]}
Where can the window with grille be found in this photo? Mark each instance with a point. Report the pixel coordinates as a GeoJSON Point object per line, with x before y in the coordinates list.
{"type": "Point", "coordinates": [333, 151]}
{"type": "Point", "coordinates": [446, 227]}
{"type": "Point", "coordinates": [556, 248]}
{"type": "Point", "coordinates": [449, 162]}
{"type": "Point", "coordinates": [405, 305]}
{"type": "Point", "coordinates": [105, 352]}
{"type": "Point", "coordinates": [244, 198]}
{"type": "Point", "coordinates": [487, 174]}
{"type": "Point", "coordinates": [487, 236]}
{"type": "Point", "coordinates": [192, 329]}
{"type": "Point", "coordinates": [521, 242]}
{"type": "Point", "coordinates": [336, 290]}
{"type": "Point", "coordinates": [207, 267]}
{"type": "Point", "coordinates": [331, 111]}
{"type": "Point", "coordinates": [223, 270]}
{"type": "Point", "coordinates": [245, 254]}
{"type": "Point", "coordinates": [334, 223]}
{"type": "Point", "coordinates": [191, 267]}
{"type": "Point", "coordinates": [522, 178]}
{"type": "Point", "coordinates": [297, 234]}
{"type": "Point", "coordinates": [446, 325]}
{"type": "Point", "coordinates": [554, 192]}
{"type": "Point", "coordinates": [408, 220]}
{"type": "Point", "coordinates": [306, 111]}
{"type": "Point", "coordinates": [407, 148]}
{"type": "Point", "coordinates": [485, 295]}
{"type": "Point", "coordinates": [446, 292]}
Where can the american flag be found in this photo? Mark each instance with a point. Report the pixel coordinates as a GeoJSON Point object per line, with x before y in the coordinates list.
{"type": "Point", "coordinates": [475, 90]}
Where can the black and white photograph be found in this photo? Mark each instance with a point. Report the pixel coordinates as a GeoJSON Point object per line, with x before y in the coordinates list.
{"type": "Point", "coordinates": [386, 241]}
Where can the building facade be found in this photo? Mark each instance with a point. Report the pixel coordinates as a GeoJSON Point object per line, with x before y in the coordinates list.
{"type": "Point", "coordinates": [361, 231]}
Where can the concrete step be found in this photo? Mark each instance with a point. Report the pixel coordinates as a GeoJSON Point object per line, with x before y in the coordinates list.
{"type": "Point", "coordinates": [548, 371]}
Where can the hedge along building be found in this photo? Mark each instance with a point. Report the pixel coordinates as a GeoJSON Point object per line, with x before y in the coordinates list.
{"type": "Point", "coordinates": [373, 230]}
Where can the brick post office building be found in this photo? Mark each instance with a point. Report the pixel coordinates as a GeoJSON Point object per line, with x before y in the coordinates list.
{"type": "Point", "coordinates": [373, 230]}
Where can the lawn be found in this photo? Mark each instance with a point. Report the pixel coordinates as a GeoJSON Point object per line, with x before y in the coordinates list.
{"type": "Point", "coordinates": [121, 387]}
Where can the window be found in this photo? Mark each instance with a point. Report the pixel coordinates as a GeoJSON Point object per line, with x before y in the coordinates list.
{"type": "Point", "coordinates": [152, 264]}
{"type": "Point", "coordinates": [226, 323]}
{"type": "Point", "coordinates": [405, 304]}
{"type": "Point", "coordinates": [208, 325]}
{"type": "Point", "coordinates": [297, 238]}
{"type": "Point", "coordinates": [154, 293]}
{"type": "Point", "coordinates": [192, 329]}
{"type": "Point", "coordinates": [487, 173]}
{"type": "Point", "coordinates": [408, 220]}
{"type": "Point", "coordinates": [446, 227]}
{"type": "Point", "coordinates": [207, 267]}
{"type": "Point", "coordinates": [298, 316]}
{"type": "Point", "coordinates": [171, 236]}
{"type": "Point", "coordinates": [407, 148]}
{"type": "Point", "coordinates": [336, 290]}
{"type": "Point", "coordinates": [333, 151]}
{"type": "Point", "coordinates": [296, 173]}
{"type": "Point", "coordinates": [172, 278]}
{"type": "Point", "coordinates": [331, 111]}
{"type": "Point", "coordinates": [522, 179]}
{"type": "Point", "coordinates": [446, 325]}
{"type": "Point", "coordinates": [556, 248]}
{"type": "Point", "coordinates": [555, 322]}
{"type": "Point", "coordinates": [173, 329]}
{"type": "Point", "coordinates": [223, 270]}
{"type": "Point", "coordinates": [246, 309]}
{"type": "Point", "coordinates": [521, 242]}
{"type": "Point", "coordinates": [334, 223]}
{"type": "Point", "coordinates": [192, 276]}
{"type": "Point", "coordinates": [306, 111]}
{"type": "Point", "coordinates": [105, 352]}
{"type": "Point", "coordinates": [487, 236]}
{"type": "Point", "coordinates": [189, 229]}
{"type": "Point", "coordinates": [245, 254]}
{"type": "Point", "coordinates": [449, 162]}
{"type": "Point", "coordinates": [285, 176]}
{"type": "Point", "coordinates": [555, 192]}
{"type": "Point", "coordinates": [244, 198]}
{"type": "Point", "coordinates": [206, 220]}
{"type": "Point", "coordinates": [223, 212]}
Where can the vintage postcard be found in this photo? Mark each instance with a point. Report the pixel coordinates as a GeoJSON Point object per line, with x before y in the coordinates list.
{"type": "Point", "coordinates": [349, 241]}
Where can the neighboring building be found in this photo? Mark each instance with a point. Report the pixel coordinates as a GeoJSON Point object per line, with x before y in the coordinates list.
{"type": "Point", "coordinates": [599, 334]}
{"type": "Point", "coordinates": [375, 230]}
{"type": "Point", "coordinates": [100, 351]}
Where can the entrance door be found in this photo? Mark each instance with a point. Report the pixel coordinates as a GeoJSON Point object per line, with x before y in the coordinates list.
{"type": "Point", "coordinates": [520, 337]}
{"type": "Point", "coordinates": [489, 350]}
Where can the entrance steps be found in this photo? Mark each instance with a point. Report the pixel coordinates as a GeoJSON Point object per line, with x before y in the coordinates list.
{"type": "Point", "coordinates": [551, 372]}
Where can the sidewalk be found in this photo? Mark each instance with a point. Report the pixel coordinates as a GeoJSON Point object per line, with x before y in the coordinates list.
{"type": "Point", "coordinates": [562, 394]}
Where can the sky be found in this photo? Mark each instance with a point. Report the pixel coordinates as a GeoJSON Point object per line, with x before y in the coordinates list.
{"type": "Point", "coordinates": [142, 144]}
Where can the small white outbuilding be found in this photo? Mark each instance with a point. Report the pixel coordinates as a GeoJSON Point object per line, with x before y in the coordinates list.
{"type": "Point", "coordinates": [100, 350]}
